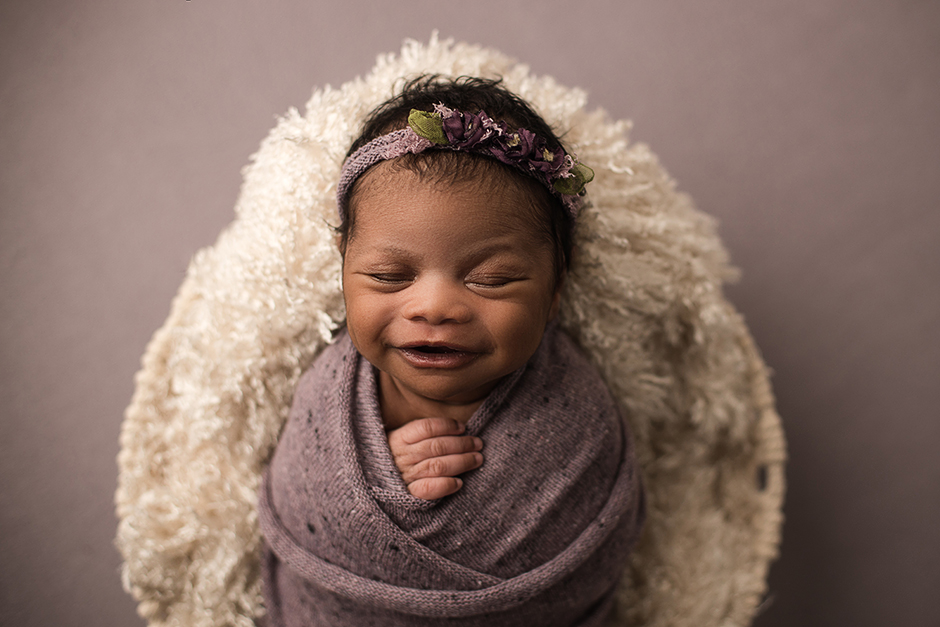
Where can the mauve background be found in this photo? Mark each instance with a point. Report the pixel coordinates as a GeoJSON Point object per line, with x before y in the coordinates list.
{"type": "Point", "coordinates": [810, 128]}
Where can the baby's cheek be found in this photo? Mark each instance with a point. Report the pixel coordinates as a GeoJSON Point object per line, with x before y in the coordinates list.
{"type": "Point", "coordinates": [371, 322]}
{"type": "Point", "coordinates": [522, 332]}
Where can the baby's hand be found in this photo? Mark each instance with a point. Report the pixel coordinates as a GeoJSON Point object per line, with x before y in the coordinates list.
{"type": "Point", "coordinates": [430, 453]}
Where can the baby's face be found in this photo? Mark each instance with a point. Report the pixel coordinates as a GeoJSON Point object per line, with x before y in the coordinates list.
{"type": "Point", "coordinates": [448, 287]}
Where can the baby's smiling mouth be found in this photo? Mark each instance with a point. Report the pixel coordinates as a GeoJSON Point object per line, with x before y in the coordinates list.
{"type": "Point", "coordinates": [436, 347]}
{"type": "Point", "coordinates": [433, 349]}
{"type": "Point", "coordinates": [437, 355]}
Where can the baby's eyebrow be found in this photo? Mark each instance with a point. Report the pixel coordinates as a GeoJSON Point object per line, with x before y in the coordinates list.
{"type": "Point", "coordinates": [395, 251]}
{"type": "Point", "coordinates": [493, 248]}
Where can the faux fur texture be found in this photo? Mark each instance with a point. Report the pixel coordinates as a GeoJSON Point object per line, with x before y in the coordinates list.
{"type": "Point", "coordinates": [644, 300]}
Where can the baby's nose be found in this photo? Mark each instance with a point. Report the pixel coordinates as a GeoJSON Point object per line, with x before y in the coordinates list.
{"type": "Point", "coordinates": [437, 300]}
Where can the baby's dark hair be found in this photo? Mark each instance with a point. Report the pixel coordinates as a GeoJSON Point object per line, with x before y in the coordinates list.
{"type": "Point", "coordinates": [471, 95]}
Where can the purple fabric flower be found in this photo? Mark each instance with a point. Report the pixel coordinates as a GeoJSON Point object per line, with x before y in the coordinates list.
{"type": "Point", "coordinates": [513, 148]}
{"type": "Point", "coordinates": [466, 130]}
{"type": "Point", "coordinates": [549, 162]}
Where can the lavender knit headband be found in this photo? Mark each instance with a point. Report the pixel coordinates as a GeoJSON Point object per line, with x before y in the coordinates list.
{"type": "Point", "coordinates": [455, 130]}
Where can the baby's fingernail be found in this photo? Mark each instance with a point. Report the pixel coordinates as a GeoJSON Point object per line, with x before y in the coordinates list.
{"type": "Point", "coordinates": [477, 444]}
{"type": "Point", "coordinates": [459, 483]}
{"type": "Point", "coordinates": [478, 458]}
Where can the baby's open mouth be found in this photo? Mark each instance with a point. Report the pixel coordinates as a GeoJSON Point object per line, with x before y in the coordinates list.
{"type": "Point", "coordinates": [433, 349]}
{"type": "Point", "coordinates": [439, 356]}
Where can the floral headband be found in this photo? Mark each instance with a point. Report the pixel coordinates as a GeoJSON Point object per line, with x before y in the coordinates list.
{"type": "Point", "coordinates": [455, 130]}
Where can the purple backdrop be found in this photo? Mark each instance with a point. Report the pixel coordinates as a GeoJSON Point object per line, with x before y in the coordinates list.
{"type": "Point", "coordinates": [809, 128]}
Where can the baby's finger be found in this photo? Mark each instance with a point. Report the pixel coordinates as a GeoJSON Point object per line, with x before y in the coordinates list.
{"type": "Point", "coordinates": [447, 466]}
{"type": "Point", "coordinates": [434, 488]}
{"type": "Point", "coordinates": [425, 428]}
{"type": "Point", "coordinates": [436, 447]}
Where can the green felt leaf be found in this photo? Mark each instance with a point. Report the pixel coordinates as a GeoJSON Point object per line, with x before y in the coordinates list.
{"type": "Point", "coordinates": [580, 176]}
{"type": "Point", "coordinates": [427, 125]}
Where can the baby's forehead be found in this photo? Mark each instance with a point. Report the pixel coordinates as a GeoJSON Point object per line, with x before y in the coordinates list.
{"type": "Point", "coordinates": [489, 208]}
{"type": "Point", "coordinates": [449, 171]}
{"type": "Point", "coordinates": [419, 217]}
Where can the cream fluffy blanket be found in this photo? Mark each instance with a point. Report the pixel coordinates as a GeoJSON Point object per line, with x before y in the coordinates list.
{"type": "Point", "coordinates": [644, 301]}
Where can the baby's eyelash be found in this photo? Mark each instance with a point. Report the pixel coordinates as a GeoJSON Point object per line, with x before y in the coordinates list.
{"type": "Point", "coordinates": [385, 277]}
{"type": "Point", "coordinates": [494, 281]}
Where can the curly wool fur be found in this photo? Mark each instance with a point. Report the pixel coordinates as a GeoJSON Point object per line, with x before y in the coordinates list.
{"type": "Point", "coordinates": [644, 300]}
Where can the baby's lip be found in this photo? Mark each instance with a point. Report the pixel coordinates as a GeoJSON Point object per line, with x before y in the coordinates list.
{"type": "Point", "coordinates": [440, 346]}
{"type": "Point", "coordinates": [437, 355]}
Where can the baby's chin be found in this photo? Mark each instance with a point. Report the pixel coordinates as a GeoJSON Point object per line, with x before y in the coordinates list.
{"type": "Point", "coordinates": [454, 395]}
{"type": "Point", "coordinates": [447, 390]}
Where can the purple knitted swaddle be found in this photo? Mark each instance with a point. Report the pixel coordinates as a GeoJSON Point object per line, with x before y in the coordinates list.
{"type": "Point", "coordinates": [538, 535]}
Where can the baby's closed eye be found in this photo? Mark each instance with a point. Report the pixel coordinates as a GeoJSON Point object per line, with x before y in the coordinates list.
{"type": "Point", "coordinates": [392, 277]}
{"type": "Point", "coordinates": [496, 273]}
{"type": "Point", "coordinates": [492, 280]}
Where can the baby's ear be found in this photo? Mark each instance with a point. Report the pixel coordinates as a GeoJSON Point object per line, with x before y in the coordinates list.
{"type": "Point", "coordinates": [556, 297]}
{"type": "Point", "coordinates": [556, 304]}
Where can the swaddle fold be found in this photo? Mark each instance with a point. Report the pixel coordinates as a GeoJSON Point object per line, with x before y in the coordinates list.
{"type": "Point", "coordinates": [538, 535]}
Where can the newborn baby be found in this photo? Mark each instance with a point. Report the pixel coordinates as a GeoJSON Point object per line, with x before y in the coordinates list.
{"type": "Point", "coordinates": [452, 456]}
